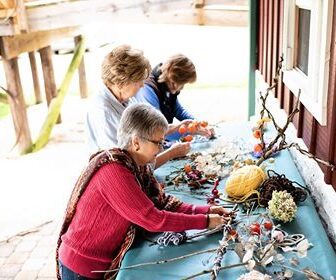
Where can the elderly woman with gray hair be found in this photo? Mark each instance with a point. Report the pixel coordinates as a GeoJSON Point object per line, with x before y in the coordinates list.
{"type": "Point", "coordinates": [116, 193]}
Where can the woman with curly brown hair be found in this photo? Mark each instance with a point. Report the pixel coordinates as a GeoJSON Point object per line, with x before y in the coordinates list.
{"type": "Point", "coordinates": [165, 83]}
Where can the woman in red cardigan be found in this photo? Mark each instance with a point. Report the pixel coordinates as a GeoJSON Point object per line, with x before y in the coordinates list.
{"type": "Point", "coordinates": [117, 192]}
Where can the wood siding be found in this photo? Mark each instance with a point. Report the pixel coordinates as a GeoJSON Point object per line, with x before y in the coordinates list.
{"type": "Point", "coordinates": [320, 140]}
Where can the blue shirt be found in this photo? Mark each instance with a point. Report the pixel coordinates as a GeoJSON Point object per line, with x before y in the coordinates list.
{"type": "Point", "coordinates": [147, 95]}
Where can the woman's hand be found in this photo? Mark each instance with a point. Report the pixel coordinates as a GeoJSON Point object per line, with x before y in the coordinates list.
{"type": "Point", "coordinates": [206, 132]}
{"type": "Point", "coordinates": [178, 150]}
{"type": "Point", "coordinates": [175, 127]}
{"type": "Point", "coordinates": [220, 211]}
{"type": "Point", "coordinates": [215, 220]}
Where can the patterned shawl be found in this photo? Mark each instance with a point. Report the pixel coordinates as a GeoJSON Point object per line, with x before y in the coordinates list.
{"type": "Point", "coordinates": [145, 179]}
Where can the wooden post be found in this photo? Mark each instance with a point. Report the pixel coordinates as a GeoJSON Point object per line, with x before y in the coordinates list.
{"type": "Point", "coordinates": [37, 90]}
{"type": "Point", "coordinates": [81, 72]}
{"type": "Point", "coordinates": [17, 104]}
{"type": "Point", "coordinates": [199, 8]}
{"type": "Point", "coordinates": [48, 75]}
{"type": "Point", "coordinates": [56, 103]}
{"type": "Point", "coordinates": [20, 22]}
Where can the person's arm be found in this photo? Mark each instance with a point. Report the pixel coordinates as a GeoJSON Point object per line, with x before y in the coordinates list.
{"type": "Point", "coordinates": [102, 128]}
{"type": "Point", "coordinates": [193, 209]}
{"type": "Point", "coordinates": [147, 95]}
{"type": "Point", "coordinates": [181, 113]}
{"type": "Point", "coordinates": [121, 191]}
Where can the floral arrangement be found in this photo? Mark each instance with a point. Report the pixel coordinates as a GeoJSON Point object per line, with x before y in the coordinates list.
{"type": "Point", "coordinates": [206, 167]}
{"type": "Point", "coordinates": [282, 206]}
{"type": "Point", "coordinates": [190, 175]}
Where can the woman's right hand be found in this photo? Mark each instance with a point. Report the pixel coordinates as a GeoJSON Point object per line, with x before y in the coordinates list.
{"type": "Point", "coordinates": [216, 220]}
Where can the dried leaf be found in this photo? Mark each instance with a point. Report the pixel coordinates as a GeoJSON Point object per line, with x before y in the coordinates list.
{"type": "Point", "coordinates": [239, 249]}
{"type": "Point", "coordinates": [267, 261]}
{"type": "Point", "coordinates": [250, 265]}
{"type": "Point", "coordinates": [279, 258]}
{"type": "Point", "coordinates": [248, 255]}
{"type": "Point", "coordinates": [302, 248]}
{"type": "Point", "coordinates": [287, 249]}
{"type": "Point", "coordinates": [312, 275]}
{"type": "Point", "coordinates": [288, 273]}
{"type": "Point", "coordinates": [294, 261]}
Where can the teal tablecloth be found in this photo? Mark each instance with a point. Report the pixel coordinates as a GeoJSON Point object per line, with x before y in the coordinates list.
{"type": "Point", "coordinates": [321, 258]}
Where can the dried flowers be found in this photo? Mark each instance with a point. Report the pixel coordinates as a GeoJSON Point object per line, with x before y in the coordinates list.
{"type": "Point", "coordinates": [282, 206]}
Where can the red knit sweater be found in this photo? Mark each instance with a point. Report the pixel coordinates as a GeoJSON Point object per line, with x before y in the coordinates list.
{"type": "Point", "coordinates": [113, 201]}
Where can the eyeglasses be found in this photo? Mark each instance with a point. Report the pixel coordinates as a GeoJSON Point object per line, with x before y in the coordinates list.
{"type": "Point", "coordinates": [160, 144]}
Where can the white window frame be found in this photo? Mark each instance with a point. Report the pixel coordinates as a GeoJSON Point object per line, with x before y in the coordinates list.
{"type": "Point", "coordinates": [314, 86]}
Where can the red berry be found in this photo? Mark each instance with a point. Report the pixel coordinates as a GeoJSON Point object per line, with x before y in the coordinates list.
{"type": "Point", "coordinates": [215, 192]}
{"type": "Point", "coordinates": [255, 229]}
{"type": "Point", "coordinates": [268, 225]}
{"type": "Point", "coordinates": [233, 232]}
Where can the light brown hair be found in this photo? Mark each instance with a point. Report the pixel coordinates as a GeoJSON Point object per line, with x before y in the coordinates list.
{"type": "Point", "coordinates": [178, 69]}
{"type": "Point", "coordinates": [124, 65]}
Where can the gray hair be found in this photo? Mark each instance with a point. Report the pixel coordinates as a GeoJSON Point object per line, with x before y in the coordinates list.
{"type": "Point", "coordinates": [141, 120]}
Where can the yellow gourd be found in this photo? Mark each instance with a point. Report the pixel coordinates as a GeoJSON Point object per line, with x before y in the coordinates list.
{"type": "Point", "coordinates": [244, 182]}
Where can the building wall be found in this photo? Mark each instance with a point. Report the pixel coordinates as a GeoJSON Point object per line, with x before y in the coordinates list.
{"type": "Point", "coordinates": [320, 140]}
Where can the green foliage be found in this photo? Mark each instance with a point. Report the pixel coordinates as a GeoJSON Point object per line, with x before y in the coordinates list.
{"type": "Point", "coordinates": [4, 110]}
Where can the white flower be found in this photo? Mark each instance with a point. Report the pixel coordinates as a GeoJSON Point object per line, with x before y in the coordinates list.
{"type": "Point", "coordinates": [255, 275]}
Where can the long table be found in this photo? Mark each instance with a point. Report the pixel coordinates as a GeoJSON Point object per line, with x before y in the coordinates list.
{"type": "Point", "coordinates": [321, 257]}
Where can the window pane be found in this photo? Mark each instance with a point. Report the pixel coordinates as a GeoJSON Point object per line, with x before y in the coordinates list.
{"type": "Point", "coordinates": [303, 40]}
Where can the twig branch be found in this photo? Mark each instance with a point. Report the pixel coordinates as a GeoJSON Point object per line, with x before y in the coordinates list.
{"type": "Point", "coordinates": [271, 148]}
{"type": "Point", "coordinates": [210, 270]}
{"type": "Point", "coordinates": [158, 262]}
{"type": "Point", "coordinates": [308, 154]}
{"type": "Point", "coordinates": [221, 250]}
